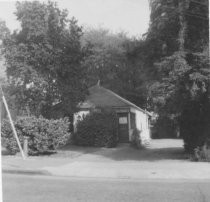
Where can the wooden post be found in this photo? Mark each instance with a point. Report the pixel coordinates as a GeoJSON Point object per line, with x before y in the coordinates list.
{"type": "Point", "coordinates": [129, 126]}
{"type": "Point", "coordinates": [25, 146]}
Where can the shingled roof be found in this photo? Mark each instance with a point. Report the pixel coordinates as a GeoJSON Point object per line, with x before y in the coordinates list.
{"type": "Point", "coordinates": [102, 97]}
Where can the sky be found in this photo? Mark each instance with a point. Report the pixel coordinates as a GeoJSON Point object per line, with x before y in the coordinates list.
{"type": "Point", "coordinates": [129, 16]}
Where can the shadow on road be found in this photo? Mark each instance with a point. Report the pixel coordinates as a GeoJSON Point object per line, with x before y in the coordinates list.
{"type": "Point", "coordinates": [165, 149]}
{"type": "Point", "coordinates": [144, 154]}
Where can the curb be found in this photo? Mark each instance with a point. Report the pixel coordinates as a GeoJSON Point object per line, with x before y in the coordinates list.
{"type": "Point", "coordinates": [26, 172]}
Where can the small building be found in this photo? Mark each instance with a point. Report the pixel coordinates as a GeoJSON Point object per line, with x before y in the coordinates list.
{"type": "Point", "coordinates": [129, 115]}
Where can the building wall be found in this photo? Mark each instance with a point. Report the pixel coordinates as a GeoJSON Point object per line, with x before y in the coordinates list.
{"type": "Point", "coordinates": [142, 124]}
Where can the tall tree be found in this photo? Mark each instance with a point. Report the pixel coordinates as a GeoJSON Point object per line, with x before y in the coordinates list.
{"type": "Point", "coordinates": [4, 32]}
{"type": "Point", "coordinates": [44, 58]}
{"type": "Point", "coordinates": [182, 89]}
{"type": "Point", "coordinates": [106, 55]}
{"type": "Point", "coordinates": [113, 60]}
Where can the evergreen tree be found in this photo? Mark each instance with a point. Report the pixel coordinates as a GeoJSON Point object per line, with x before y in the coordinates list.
{"type": "Point", "coordinates": [182, 89]}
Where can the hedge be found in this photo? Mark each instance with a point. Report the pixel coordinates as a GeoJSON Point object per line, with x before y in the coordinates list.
{"type": "Point", "coordinates": [43, 135]}
{"type": "Point", "coordinates": [98, 129]}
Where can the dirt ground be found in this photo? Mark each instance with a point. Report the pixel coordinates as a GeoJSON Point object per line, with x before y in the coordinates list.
{"type": "Point", "coordinates": [163, 159]}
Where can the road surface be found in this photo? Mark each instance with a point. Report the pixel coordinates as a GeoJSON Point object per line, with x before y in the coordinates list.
{"type": "Point", "coordinates": [34, 188]}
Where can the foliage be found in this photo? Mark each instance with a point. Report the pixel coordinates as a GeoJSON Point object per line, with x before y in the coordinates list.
{"type": "Point", "coordinates": [43, 59]}
{"type": "Point", "coordinates": [181, 90]}
{"type": "Point", "coordinates": [97, 129]}
{"type": "Point", "coordinates": [164, 127]}
{"type": "Point", "coordinates": [50, 61]}
{"type": "Point", "coordinates": [43, 135]}
{"type": "Point", "coordinates": [136, 138]}
{"type": "Point", "coordinates": [106, 54]}
{"type": "Point", "coordinates": [112, 59]}
{"type": "Point", "coordinates": [54, 63]}
{"type": "Point", "coordinates": [202, 153]}
{"type": "Point", "coordinates": [4, 31]}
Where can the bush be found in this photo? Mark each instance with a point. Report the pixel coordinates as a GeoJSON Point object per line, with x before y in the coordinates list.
{"type": "Point", "coordinates": [136, 138]}
{"type": "Point", "coordinates": [195, 125]}
{"type": "Point", "coordinates": [97, 129]}
{"type": "Point", "coordinates": [43, 135]}
{"type": "Point", "coordinates": [202, 153]}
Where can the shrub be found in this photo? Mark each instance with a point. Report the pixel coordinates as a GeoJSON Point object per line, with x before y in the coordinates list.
{"type": "Point", "coordinates": [136, 138]}
{"type": "Point", "coordinates": [202, 153]}
{"type": "Point", "coordinates": [43, 135]}
{"type": "Point", "coordinates": [97, 129]}
{"type": "Point", "coordinates": [195, 125]}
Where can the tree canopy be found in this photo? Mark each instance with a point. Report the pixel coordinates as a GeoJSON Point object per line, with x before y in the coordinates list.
{"type": "Point", "coordinates": [44, 58]}
{"type": "Point", "coordinates": [113, 60]}
{"type": "Point", "coordinates": [53, 60]}
{"type": "Point", "coordinates": [181, 91]}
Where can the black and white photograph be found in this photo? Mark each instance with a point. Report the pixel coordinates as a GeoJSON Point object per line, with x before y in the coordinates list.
{"type": "Point", "coordinates": [104, 101]}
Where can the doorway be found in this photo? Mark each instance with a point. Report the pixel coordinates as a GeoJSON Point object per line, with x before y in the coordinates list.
{"type": "Point", "coordinates": [123, 127]}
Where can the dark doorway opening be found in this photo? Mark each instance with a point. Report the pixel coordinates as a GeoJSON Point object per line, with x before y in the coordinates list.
{"type": "Point", "coordinates": [123, 127]}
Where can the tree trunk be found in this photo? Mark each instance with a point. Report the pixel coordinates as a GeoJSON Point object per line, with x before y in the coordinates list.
{"type": "Point", "coordinates": [183, 5]}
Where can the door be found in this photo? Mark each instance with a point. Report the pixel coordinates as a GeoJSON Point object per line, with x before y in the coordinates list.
{"type": "Point", "coordinates": [123, 127]}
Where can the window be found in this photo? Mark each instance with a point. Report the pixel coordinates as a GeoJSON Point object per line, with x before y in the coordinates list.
{"type": "Point", "coordinates": [123, 120]}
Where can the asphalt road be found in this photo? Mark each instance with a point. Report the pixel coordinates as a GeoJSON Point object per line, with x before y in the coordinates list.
{"type": "Point", "coordinates": [33, 188]}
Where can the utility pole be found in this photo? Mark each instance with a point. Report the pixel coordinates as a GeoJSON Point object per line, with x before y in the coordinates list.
{"type": "Point", "coordinates": [1, 190]}
{"type": "Point", "coordinates": [2, 97]}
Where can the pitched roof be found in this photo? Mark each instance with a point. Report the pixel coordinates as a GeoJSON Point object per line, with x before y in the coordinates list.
{"type": "Point", "coordinates": [102, 97]}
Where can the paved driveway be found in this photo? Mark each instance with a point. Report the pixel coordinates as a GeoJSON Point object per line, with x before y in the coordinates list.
{"type": "Point", "coordinates": [164, 159]}
{"type": "Point", "coordinates": [159, 150]}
